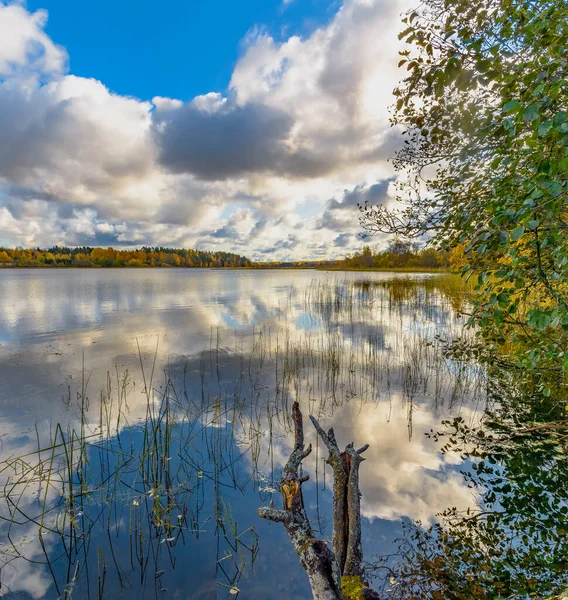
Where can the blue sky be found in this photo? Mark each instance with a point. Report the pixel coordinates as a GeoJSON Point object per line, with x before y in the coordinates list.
{"type": "Point", "coordinates": [252, 127]}
{"type": "Point", "coordinates": [170, 48]}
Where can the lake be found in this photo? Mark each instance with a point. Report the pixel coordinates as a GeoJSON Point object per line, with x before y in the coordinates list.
{"type": "Point", "coordinates": [145, 416]}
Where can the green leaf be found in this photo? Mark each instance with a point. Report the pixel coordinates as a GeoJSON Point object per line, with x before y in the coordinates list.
{"type": "Point", "coordinates": [510, 106]}
{"type": "Point", "coordinates": [544, 128]}
{"type": "Point", "coordinates": [517, 233]}
{"type": "Point", "coordinates": [496, 162]}
{"type": "Point", "coordinates": [531, 112]}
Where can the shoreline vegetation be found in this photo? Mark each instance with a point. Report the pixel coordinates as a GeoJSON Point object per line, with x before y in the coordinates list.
{"type": "Point", "coordinates": [399, 256]}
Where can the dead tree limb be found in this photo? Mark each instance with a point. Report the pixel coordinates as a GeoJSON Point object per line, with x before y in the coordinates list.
{"type": "Point", "coordinates": [337, 574]}
{"type": "Point", "coordinates": [316, 558]}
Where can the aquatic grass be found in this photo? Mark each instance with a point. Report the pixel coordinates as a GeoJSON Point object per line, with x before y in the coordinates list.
{"type": "Point", "coordinates": [165, 476]}
{"type": "Point", "coordinates": [143, 479]}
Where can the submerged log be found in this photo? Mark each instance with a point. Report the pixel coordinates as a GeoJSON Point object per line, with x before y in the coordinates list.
{"type": "Point", "coordinates": [336, 574]}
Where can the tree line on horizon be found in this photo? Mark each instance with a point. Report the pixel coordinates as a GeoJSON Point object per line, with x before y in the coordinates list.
{"type": "Point", "coordinates": [400, 254]}
{"type": "Point", "coordinates": [110, 257]}
{"type": "Point", "coordinates": [404, 254]}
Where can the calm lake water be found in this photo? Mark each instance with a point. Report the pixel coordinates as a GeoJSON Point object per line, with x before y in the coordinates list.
{"type": "Point", "coordinates": [144, 419]}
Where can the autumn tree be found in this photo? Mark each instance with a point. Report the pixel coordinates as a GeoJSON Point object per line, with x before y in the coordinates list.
{"type": "Point", "coordinates": [485, 163]}
{"type": "Point", "coordinates": [458, 260]}
{"type": "Point", "coordinates": [110, 257]}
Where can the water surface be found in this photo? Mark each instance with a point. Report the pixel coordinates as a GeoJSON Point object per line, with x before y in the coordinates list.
{"type": "Point", "coordinates": [211, 361]}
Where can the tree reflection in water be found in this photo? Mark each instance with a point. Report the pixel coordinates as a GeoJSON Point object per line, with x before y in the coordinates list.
{"type": "Point", "coordinates": [514, 542]}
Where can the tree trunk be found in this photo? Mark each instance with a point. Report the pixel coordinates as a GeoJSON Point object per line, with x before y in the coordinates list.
{"type": "Point", "coordinates": [337, 574]}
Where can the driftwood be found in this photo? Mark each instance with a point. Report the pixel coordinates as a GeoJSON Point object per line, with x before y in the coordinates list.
{"type": "Point", "coordinates": [337, 574]}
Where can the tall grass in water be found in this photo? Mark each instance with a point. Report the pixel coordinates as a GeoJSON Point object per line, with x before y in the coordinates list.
{"type": "Point", "coordinates": [161, 478]}
{"type": "Point", "coordinates": [145, 482]}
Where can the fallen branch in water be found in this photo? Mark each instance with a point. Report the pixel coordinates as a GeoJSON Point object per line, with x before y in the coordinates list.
{"type": "Point", "coordinates": [336, 574]}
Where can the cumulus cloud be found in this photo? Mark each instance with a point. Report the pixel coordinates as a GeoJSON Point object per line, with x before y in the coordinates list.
{"type": "Point", "coordinates": [251, 169]}
{"type": "Point", "coordinates": [239, 227]}
{"type": "Point", "coordinates": [341, 216]}
{"type": "Point", "coordinates": [216, 140]}
{"type": "Point", "coordinates": [343, 240]}
{"type": "Point", "coordinates": [73, 140]}
{"type": "Point", "coordinates": [375, 194]}
{"type": "Point", "coordinates": [304, 108]}
{"type": "Point", "coordinates": [26, 49]}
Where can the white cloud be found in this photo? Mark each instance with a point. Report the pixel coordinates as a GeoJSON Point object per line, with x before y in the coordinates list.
{"type": "Point", "coordinates": [303, 123]}
{"type": "Point", "coordinates": [25, 47]}
{"type": "Point", "coordinates": [73, 140]}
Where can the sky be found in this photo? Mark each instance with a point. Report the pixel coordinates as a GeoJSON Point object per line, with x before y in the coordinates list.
{"type": "Point", "coordinates": [251, 127]}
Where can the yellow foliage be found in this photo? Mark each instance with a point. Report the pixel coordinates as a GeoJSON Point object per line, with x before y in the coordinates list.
{"type": "Point", "coordinates": [458, 259]}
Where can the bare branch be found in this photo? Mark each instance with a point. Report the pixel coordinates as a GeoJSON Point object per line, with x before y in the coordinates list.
{"type": "Point", "coordinates": [354, 556]}
{"type": "Point", "coordinates": [337, 575]}
{"type": "Point", "coordinates": [273, 514]}
{"type": "Point", "coordinates": [316, 558]}
{"type": "Point", "coordinates": [328, 438]}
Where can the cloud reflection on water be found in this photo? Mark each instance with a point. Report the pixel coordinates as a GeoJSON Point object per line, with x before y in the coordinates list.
{"type": "Point", "coordinates": [239, 336]}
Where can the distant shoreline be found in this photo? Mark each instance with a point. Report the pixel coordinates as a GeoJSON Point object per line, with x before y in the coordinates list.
{"type": "Point", "coordinates": [250, 268]}
{"type": "Point", "coordinates": [406, 256]}
{"type": "Point", "coordinates": [388, 269]}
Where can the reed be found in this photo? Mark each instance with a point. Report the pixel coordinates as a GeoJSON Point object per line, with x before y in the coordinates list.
{"type": "Point", "coordinates": [163, 478]}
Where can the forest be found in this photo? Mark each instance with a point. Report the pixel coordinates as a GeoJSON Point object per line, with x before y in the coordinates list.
{"type": "Point", "coordinates": [109, 257]}
{"type": "Point", "coordinates": [400, 254]}
{"type": "Point", "coordinates": [404, 254]}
